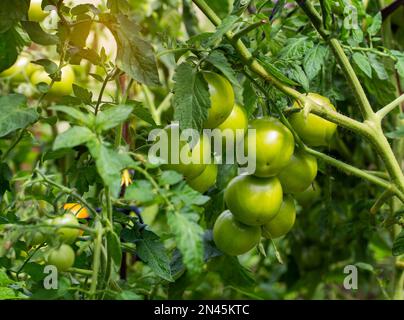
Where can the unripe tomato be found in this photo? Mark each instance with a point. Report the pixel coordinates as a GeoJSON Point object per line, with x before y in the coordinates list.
{"type": "Point", "coordinates": [36, 238]}
{"type": "Point", "coordinates": [221, 99]}
{"type": "Point", "coordinates": [274, 146]}
{"type": "Point", "coordinates": [284, 220]}
{"type": "Point", "coordinates": [67, 235]}
{"type": "Point", "coordinates": [199, 155]}
{"type": "Point", "coordinates": [62, 258]}
{"type": "Point", "coordinates": [314, 130]}
{"type": "Point", "coordinates": [236, 121]}
{"type": "Point", "coordinates": [35, 12]}
{"type": "Point", "coordinates": [37, 190]}
{"type": "Point", "coordinates": [233, 237]}
{"type": "Point", "coordinates": [308, 196]}
{"type": "Point", "coordinates": [252, 200]}
{"type": "Point", "coordinates": [300, 172]}
{"type": "Point", "coordinates": [64, 87]}
{"type": "Point", "coordinates": [205, 180]}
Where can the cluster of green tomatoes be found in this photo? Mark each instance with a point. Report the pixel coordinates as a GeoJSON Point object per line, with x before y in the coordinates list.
{"type": "Point", "coordinates": [262, 203]}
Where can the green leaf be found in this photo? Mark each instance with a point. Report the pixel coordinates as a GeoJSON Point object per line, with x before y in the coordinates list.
{"type": "Point", "coordinates": [37, 35]}
{"type": "Point", "coordinates": [185, 194]}
{"type": "Point", "coordinates": [221, 7]}
{"type": "Point", "coordinates": [219, 60]}
{"type": "Point", "coordinates": [113, 116]}
{"type": "Point", "coordinates": [296, 48]}
{"type": "Point", "coordinates": [274, 71]}
{"type": "Point", "coordinates": [14, 113]}
{"type": "Point", "coordinates": [83, 94]}
{"type": "Point", "coordinates": [376, 24]}
{"type": "Point", "coordinates": [363, 63]}
{"type": "Point", "coordinates": [49, 66]}
{"type": "Point", "coordinates": [314, 60]}
{"type": "Point", "coordinates": [74, 113]}
{"type": "Point", "coordinates": [378, 66]}
{"type": "Point", "coordinates": [75, 136]}
{"type": "Point", "coordinates": [296, 73]}
{"type": "Point", "coordinates": [8, 48]}
{"type": "Point", "coordinates": [141, 191]}
{"type": "Point", "coordinates": [365, 266]}
{"type": "Point", "coordinates": [191, 97]}
{"type": "Point", "coordinates": [225, 26]}
{"type": "Point", "coordinates": [12, 12]}
{"type": "Point", "coordinates": [135, 56]}
{"type": "Point", "coordinates": [109, 164]}
{"type": "Point", "coordinates": [188, 235]}
{"type": "Point", "coordinates": [143, 113]}
{"type": "Point", "coordinates": [249, 98]}
{"type": "Point", "coordinates": [170, 178]}
{"type": "Point", "coordinates": [398, 245]}
{"type": "Point", "coordinates": [151, 251]}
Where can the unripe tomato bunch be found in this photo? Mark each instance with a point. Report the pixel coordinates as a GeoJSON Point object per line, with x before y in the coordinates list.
{"type": "Point", "coordinates": [63, 256]}
{"type": "Point", "coordinates": [263, 203]}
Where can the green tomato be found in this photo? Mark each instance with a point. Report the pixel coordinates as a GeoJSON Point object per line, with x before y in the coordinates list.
{"type": "Point", "coordinates": [221, 99]}
{"type": "Point", "coordinates": [62, 258]}
{"type": "Point", "coordinates": [233, 237]}
{"type": "Point", "coordinates": [205, 180]}
{"type": "Point", "coordinates": [36, 238]}
{"type": "Point", "coordinates": [236, 121]}
{"type": "Point", "coordinates": [67, 235]}
{"type": "Point", "coordinates": [283, 221]}
{"type": "Point", "coordinates": [314, 130]}
{"type": "Point", "coordinates": [64, 87]}
{"type": "Point", "coordinates": [274, 146]}
{"type": "Point", "coordinates": [199, 154]}
{"type": "Point", "coordinates": [300, 172]}
{"type": "Point", "coordinates": [254, 201]}
{"type": "Point", "coordinates": [18, 72]}
{"type": "Point", "coordinates": [35, 12]}
{"type": "Point", "coordinates": [308, 196]}
{"type": "Point", "coordinates": [37, 190]}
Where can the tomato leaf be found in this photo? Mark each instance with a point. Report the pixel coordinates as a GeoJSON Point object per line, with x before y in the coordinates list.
{"type": "Point", "coordinates": [398, 245]}
{"type": "Point", "coordinates": [111, 117]}
{"type": "Point", "coordinates": [363, 63]}
{"type": "Point", "coordinates": [141, 191]}
{"type": "Point", "coordinates": [151, 251]}
{"type": "Point", "coordinates": [37, 35]}
{"type": "Point", "coordinates": [11, 12]}
{"type": "Point", "coordinates": [169, 178]}
{"type": "Point", "coordinates": [219, 60]}
{"type": "Point", "coordinates": [135, 56]}
{"type": "Point", "coordinates": [188, 235]}
{"type": "Point", "coordinates": [314, 60]}
{"type": "Point", "coordinates": [191, 97]}
{"type": "Point", "coordinates": [14, 113]}
{"type": "Point", "coordinates": [75, 136]}
{"type": "Point", "coordinates": [226, 25]}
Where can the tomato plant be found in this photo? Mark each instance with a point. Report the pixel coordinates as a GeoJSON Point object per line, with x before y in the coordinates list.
{"type": "Point", "coordinates": [304, 177]}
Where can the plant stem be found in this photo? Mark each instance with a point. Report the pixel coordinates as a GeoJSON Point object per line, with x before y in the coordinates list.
{"type": "Point", "coordinates": [390, 107]}
{"type": "Point", "coordinates": [96, 259]}
{"type": "Point", "coordinates": [13, 145]}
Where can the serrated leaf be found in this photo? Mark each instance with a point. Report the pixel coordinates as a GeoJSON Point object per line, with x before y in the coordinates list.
{"type": "Point", "coordinates": [113, 116]}
{"type": "Point", "coordinates": [363, 63]}
{"type": "Point", "coordinates": [296, 73]}
{"type": "Point", "coordinates": [296, 48]}
{"type": "Point", "coordinates": [37, 35]}
{"type": "Point", "coordinates": [225, 26]}
{"type": "Point", "coordinates": [170, 178]}
{"type": "Point", "coordinates": [14, 113]}
{"type": "Point", "coordinates": [219, 61]}
{"type": "Point", "coordinates": [135, 56]}
{"type": "Point", "coordinates": [75, 136]}
{"type": "Point", "coordinates": [83, 94]}
{"type": "Point", "coordinates": [141, 191]}
{"type": "Point", "coordinates": [184, 193]}
{"type": "Point", "coordinates": [143, 113]}
{"type": "Point", "coordinates": [378, 66]}
{"type": "Point", "coordinates": [314, 60]}
{"type": "Point", "coordinates": [151, 251]}
{"type": "Point", "coordinates": [274, 71]}
{"type": "Point", "coordinates": [188, 235]}
{"type": "Point", "coordinates": [249, 98]}
{"type": "Point", "coordinates": [397, 134]}
{"type": "Point", "coordinates": [191, 97]}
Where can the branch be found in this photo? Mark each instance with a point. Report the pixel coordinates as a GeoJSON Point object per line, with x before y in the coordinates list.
{"type": "Point", "coordinates": [390, 107]}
